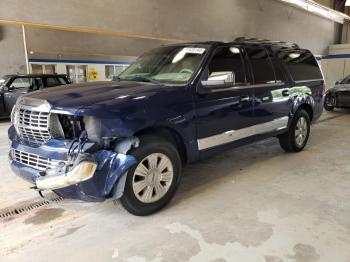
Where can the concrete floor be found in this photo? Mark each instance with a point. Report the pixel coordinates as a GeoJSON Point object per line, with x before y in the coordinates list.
{"type": "Point", "coordinates": [255, 203]}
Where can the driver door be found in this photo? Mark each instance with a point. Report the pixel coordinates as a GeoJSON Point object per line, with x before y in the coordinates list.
{"type": "Point", "coordinates": [223, 114]}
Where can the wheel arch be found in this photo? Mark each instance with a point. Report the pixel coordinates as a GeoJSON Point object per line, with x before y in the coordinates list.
{"type": "Point", "coordinates": [170, 135]}
{"type": "Point", "coordinates": [308, 108]}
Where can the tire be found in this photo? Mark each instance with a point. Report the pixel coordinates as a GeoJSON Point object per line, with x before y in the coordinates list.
{"type": "Point", "coordinates": [327, 104]}
{"type": "Point", "coordinates": [298, 134]}
{"type": "Point", "coordinates": [157, 184]}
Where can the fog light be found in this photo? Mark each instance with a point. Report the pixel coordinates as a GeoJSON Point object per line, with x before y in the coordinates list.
{"type": "Point", "coordinates": [81, 172]}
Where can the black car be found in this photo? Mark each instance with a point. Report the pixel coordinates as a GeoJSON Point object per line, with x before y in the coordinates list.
{"type": "Point", "coordinates": [339, 95]}
{"type": "Point", "coordinates": [13, 86]}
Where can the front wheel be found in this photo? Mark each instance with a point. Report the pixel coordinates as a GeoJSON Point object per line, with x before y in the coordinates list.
{"type": "Point", "coordinates": [329, 103]}
{"type": "Point", "coordinates": [152, 182]}
{"type": "Point", "coordinates": [298, 134]}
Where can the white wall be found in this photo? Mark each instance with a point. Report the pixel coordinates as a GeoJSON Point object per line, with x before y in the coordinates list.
{"type": "Point", "coordinates": [336, 65]}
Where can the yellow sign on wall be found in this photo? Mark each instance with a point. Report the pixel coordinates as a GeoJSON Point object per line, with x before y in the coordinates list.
{"type": "Point", "coordinates": [93, 74]}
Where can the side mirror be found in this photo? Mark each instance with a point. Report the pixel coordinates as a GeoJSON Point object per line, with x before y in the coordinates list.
{"type": "Point", "coordinates": [9, 88]}
{"type": "Point", "coordinates": [218, 80]}
{"type": "Point", "coordinates": [337, 82]}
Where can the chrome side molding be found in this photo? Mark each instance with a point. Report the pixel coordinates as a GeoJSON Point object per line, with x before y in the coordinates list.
{"type": "Point", "coordinates": [234, 135]}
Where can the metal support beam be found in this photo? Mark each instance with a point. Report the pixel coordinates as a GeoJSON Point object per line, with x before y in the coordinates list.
{"type": "Point", "coordinates": [25, 48]}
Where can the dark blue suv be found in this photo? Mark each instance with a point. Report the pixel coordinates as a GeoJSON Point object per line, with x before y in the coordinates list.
{"type": "Point", "coordinates": [128, 139]}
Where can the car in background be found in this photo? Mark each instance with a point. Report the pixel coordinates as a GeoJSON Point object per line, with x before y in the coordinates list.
{"type": "Point", "coordinates": [14, 86]}
{"type": "Point", "coordinates": [339, 95]}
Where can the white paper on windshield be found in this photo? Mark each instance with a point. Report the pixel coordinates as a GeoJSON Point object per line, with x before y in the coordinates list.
{"type": "Point", "coordinates": [194, 50]}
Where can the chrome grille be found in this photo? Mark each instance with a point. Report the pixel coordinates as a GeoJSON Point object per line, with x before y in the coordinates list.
{"type": "Point", "coordinates": [32, 125]}
{"type": "Point", "coordinates": [32, 160]}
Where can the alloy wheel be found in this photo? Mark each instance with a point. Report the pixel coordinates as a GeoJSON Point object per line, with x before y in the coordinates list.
{"type": "Point", "coordinates": [152, 178]}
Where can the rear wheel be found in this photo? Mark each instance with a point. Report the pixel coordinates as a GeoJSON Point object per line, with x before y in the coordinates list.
{"type": "Point", "coordinates": [298, 134]}
{"type": "Point", "coordinates": [152, 182]}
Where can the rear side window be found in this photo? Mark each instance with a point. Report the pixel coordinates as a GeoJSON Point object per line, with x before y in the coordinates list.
{"type": "Point", "coordinates": [62, 81]}
{"type": "Point", "coordinates": [301, 65]}
{"type": "Point", "coordinates": [54, 81]}
{"type": "Point", "coordinates": [261, 65]}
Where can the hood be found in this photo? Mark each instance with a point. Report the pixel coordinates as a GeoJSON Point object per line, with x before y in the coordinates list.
{"type": "Point", "coordinates": [84, 96]}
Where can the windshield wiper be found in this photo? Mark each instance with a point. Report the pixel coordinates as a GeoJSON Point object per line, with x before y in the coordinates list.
{"type": "Point", "coordinates": [145, 79]}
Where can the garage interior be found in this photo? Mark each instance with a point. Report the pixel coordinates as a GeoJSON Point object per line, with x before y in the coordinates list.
{"type": "Point", "coordinates": [252, 203]}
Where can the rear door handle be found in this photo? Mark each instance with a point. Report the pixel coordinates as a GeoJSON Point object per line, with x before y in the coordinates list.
{"type": "Point", "coordinates": [285, 92]}
{"type": "Point", "coordinates": [245, 98]}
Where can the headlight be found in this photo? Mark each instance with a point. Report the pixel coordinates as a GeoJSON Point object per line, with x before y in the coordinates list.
{"type": "Point", "coordinates": [81, 172]}
{"type": "Point", "coordinates": [14, 116]}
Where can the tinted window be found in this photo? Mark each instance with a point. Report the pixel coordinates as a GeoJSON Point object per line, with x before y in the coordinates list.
{"type": "Point", "coordinates": [55, 81]}
{"type": "Point", "coordinates": [261, 65]}
{"type": "Point", "coordinates": [51, 81]}
{"type": "Point", "coordinates": [301, 65]}
{"type": "Point", "coordinates": [277, 67]}
{"type": "Point", "coordinates": [21, 83]}
{"type": "Point", "coordinates": [228, 59]}
{"type": "Point", "coordinates": [62, 81]}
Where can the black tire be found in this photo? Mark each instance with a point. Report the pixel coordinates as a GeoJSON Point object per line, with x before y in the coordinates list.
{"type": "Point", "coordinates": [327, 104]}
{"type": "Point", "coordinates": [288, 140]}
{"type": "Point", "coordinates": [150, 145]}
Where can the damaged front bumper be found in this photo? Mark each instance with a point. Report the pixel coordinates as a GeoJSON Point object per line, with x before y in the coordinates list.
{"type": "Point", "coordinates": [96, 176]}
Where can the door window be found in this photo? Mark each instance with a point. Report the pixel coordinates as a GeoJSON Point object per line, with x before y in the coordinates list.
{"type": "Point", "coordinates": [49, 69]}
{"type": "Point", "coordinates": [261, 65]}
{"type": "Point", "coordinates": [226, 60]}
{"type": "Point", "coordinates": [37, 69]}
{"type": "Point", "coordinates": [62, 81]}
{"type": "Point", "coordinates": [21, 83]}
{"type": "Point", "coordinates": [81, 73]}
{"type": "Point", "coordinates": [109, 71]}
{"type": "Point", "coordinates": [77, 73]}
{"type": "Point", "coordinates": [43, 68]}
{"type": "Point", "coordinates": [51, 81]}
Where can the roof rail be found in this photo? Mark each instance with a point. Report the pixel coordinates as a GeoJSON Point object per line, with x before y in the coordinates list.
{"type": "Point", "coordinates": [265, 41]}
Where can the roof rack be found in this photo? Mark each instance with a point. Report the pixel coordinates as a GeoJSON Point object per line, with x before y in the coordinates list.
{"type": "Point", "coordinates": [266, 42]}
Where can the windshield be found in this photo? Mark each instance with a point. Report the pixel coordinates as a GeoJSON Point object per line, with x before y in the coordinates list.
{"type": "Point", "coordinates": [346, 80]}
{"type": "Point", "coordinates": [4, 79]}
{"type": "Point", "coordinates": [169, 65]}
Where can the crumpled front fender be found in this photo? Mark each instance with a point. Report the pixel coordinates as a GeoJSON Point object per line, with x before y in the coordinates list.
{"type": "Point", "coordinates": [112, 167]}
{"type": "Point", "coordinates": [117, 165]}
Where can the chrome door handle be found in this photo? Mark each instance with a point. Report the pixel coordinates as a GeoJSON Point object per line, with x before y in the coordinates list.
{"type": "Point", "coordinates": [285, 92]}
{"type": "Point", "coordinates": [245, 98]}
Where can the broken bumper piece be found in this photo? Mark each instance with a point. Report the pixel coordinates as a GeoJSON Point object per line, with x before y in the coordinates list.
{"type": "Point", "coordinates": [94, 180]}
{"type": "Point", "coordinates": [55, 178]}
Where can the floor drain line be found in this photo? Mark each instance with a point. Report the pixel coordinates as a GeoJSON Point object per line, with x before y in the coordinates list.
{"type": "Point", "coordinates": [28, 207]}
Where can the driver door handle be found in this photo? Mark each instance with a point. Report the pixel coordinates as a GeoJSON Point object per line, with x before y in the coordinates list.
{"type": "Point", "coordinates": [245, 98]}
{"type": "Point", "coordinates": [285, 92]}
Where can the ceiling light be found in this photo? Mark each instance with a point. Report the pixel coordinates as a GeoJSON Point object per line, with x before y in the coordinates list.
{"type": "Point", "coordinates": [318, 9]}
{"type": "Point", "coordinates": [234, 50]}
{"type": "Point", "coordinates": [294, 55]}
